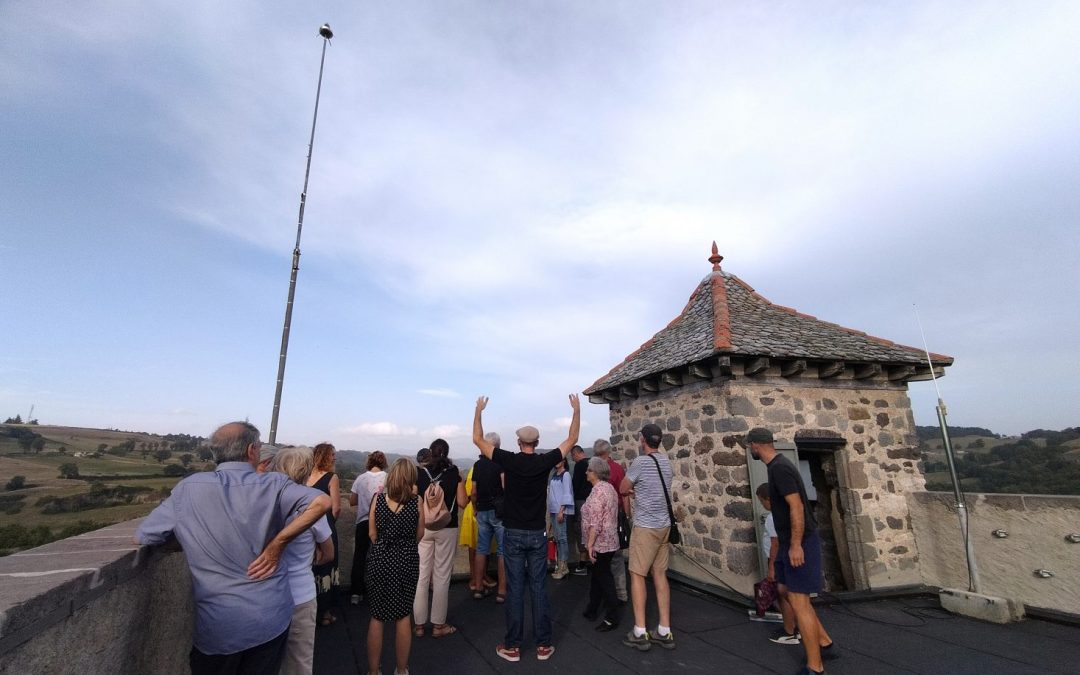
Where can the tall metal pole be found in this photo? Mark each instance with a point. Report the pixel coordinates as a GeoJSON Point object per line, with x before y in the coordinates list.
{"type": "Point", "coordinates": [961, 507]}
{"type": "Point", "coordinates": [326, 34]}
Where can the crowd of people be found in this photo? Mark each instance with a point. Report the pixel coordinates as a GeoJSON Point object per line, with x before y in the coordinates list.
{"type": "Point", "coordinates": [260, 538]}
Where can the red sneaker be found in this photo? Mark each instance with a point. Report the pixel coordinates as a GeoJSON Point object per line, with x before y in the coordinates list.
{"type": "Point", "coordinates": [544, 652]}
{"type": "Point", "coordinates": [509, 653]}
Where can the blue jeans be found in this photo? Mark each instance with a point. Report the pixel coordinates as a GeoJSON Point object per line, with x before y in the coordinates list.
{"type": "Point", "coordinates": [559, 530]}
{"type": "Point", "coordinates": [526, 559]}
{"type": "Point", "coordinates": [488, 525]}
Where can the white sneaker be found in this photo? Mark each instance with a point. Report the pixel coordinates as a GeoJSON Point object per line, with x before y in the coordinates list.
{"type": "Point", "coordinates": [355, 599]}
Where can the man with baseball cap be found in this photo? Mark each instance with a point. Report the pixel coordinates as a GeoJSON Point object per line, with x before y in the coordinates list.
{"type": "Point", "coordinates": [524, 520]}
{"type": "Point", "coordinates": [798, 562]}
{"type": "Point", "coordinates": [649, 481]}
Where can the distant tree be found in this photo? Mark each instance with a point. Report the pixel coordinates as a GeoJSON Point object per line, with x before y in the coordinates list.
{"type": "Point", "coordinates": [174, 470]}
{"type": "Point", "coordinates": [34, 422]}
{"type": "Point", "coordinates": [69, 470]}
{"type": "Point", "coordinates": [16, 483]}
{"type": "Point", "coordinates": [39, 444]}
{"type": "Point", "coordinates": [14, 420]}
{"type": "Point", "coordinates": [977, 443]}
{"type": "Point", "coordinates": [205, 454]}
{"type": "Point", "coordinates": [186, 459]}
{"type": "Point", "coordinates": [162, 455]}
{"type": "Point", "coordinates": [62, 450]}
{"type": "Point", "coordinates": [102, 447]}
{"type": "Point", "coordinates": [26, 442]}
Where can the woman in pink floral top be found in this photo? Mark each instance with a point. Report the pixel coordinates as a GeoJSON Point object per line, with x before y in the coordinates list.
{"type": "Point", "coordinates": [599, 522]}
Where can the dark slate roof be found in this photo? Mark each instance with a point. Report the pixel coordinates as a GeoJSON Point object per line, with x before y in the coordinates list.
{"type": "Point", "coordinates": [725, 316]}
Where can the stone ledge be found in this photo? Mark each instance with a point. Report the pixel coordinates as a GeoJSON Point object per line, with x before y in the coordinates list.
{"type": "Point", "coordinates": [44, 586]}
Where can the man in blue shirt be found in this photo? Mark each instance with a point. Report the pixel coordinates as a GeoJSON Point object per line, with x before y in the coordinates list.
{"type": "Point", "coordinates": [231, 524]}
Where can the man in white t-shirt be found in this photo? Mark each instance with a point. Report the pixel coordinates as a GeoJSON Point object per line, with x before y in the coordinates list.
{"type": "Point", "coordinates": [364, 489]}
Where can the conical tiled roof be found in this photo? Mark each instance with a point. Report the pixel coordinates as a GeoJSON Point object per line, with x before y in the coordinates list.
{"type": "Point", "coordinates": [725, 316]}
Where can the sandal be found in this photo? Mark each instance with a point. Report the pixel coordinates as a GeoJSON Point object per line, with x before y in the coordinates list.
{"type": "Point", "coordinates": [418, 631]}
{"type": "Point", "coordinates": [478, 595]}
{"type": "Point", "coordinates": [490, 584]}
{"type": "Point", "coordinates": [443, 630]}
{"type": "Point", "coordinates": [500, 598]}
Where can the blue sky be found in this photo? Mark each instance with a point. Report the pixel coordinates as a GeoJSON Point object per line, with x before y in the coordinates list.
{"type": "Point", "coordinates": [508, 198]}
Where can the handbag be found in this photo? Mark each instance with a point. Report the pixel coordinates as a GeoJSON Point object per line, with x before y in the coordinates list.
{"type": "Point", "coordinates": [674, 536]}
{"type": "Point", "coordinates": [764, 596]}
{"type": "Point", "coordinates": [436, 516]}
{"type": "Point", "coordinates": [624, 530]}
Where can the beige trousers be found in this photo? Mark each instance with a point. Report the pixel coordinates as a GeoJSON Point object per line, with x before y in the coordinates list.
{"type": "Point", "coordinates": [436, 564]}
{"type": "Point", "coordinates": [300, 646]}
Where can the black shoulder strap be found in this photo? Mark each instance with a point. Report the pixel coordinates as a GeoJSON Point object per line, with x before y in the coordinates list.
{"type": "Point", "coordinates": [667, 498]}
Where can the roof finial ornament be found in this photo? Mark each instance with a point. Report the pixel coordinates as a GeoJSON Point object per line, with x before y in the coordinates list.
{"type": "Point", "coordinates": [715, 258]}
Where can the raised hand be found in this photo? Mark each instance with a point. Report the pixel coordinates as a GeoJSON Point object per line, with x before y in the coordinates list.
{"type": "Point", "coordinates": [574, 402]}
{"type": "Point", "coordinates": [481, 403]}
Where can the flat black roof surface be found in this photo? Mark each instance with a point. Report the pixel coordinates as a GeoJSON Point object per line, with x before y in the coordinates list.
{"type": "Point", "coordinates": [907, 635]}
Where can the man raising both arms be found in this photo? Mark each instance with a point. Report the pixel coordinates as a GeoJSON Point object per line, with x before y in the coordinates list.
{"type": "Point", "coordinates": [524, 543]}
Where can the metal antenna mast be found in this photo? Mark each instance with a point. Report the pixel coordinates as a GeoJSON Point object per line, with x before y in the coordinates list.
{"type": "Point", "coordinates": [961, 507]}
{"type": "Point", "coordinates": [326, 34]}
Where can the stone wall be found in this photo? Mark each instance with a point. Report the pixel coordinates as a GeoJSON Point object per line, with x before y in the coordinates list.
{"type": "Point", "coordinates": [1037, 528]}
{"type": "Point", "coordinates": [95, 603]}
{"type": "Point", "coordinates": [877, 466]}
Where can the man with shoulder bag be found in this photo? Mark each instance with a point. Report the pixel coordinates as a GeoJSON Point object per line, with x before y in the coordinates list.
{"type": "Point", "coordinates": [649, 481]}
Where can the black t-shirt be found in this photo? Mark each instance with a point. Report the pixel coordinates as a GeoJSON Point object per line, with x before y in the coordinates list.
{"type": "Point", "coordinates": [487, 483]}
{"type": "Point", "coordinates": [526, 486]}
{"type": "Point", "coordinates": [784, 479]}
{"type": "Point", "coordinates": [448, 479]}
{"type": "Point", "coordinates": [582, 486]}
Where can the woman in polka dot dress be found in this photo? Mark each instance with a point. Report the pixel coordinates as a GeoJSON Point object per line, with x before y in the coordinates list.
{"type": "Point", "coordinates": [395, 526]}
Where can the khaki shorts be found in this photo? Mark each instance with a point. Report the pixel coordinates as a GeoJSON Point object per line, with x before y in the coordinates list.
{"type": "Point", "coordinates": [648, 550]}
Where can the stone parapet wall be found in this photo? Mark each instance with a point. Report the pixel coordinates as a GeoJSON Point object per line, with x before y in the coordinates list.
{"type": "Point", "coordinates": [1037, 527]}
{"type": "Point", "coordinates": [95, 603]}
{"type": "Point", "coordinates": [876, 467]}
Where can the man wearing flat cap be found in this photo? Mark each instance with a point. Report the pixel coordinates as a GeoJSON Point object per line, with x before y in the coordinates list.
{"type": "Point", "coordinates": [798, 562]}
{"type": "Point", "coordinates": [524, 520]}
{"type": "Point", "coordinates": [649, 481]}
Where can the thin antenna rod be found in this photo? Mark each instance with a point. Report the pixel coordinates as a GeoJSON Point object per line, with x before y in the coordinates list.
{"type": "Point", "coordinates": [961, 507]}
{"type": "Point", "coordinates": [326, 34]}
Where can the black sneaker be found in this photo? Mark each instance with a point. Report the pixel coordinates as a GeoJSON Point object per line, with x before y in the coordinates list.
{"type": "Point", "coordinates": [665, 641]}
{"type": "Point", "coordinates": [606, 626]}
{"type": "Point", "coordinates": [640, 643]}
{"type": "Point", "coordinates": [782, 638]}
{"type": "Point", "coordinates": [580, 571]}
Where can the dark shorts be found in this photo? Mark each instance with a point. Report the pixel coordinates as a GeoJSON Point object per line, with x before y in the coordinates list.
{"type": "Point", "coordinates": [805, 578]}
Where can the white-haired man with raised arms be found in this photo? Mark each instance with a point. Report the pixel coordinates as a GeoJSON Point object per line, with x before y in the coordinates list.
{"type": "Point", "coordinates": [524, 519]}
{"type": "Point", "coordinates": [231, 523]}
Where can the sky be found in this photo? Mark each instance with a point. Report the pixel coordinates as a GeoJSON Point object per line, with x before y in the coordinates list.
{"type": "Point", "coordinates": [508, 198]}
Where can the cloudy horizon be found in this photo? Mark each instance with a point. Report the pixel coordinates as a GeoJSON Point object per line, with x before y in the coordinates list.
{"type": "Point", "coordinates": [507, 199]}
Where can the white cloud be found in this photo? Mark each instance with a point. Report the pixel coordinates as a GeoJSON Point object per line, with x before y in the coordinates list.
{"type": "Point", "coordinates": [380, 429]}
{"type": "Point", "coordinates": [448, 431]}
{"type": "Point", "coordinates": [439, 392]}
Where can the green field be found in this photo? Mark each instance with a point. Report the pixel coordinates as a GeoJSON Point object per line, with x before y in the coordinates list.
{"type": "Point", "coordinates": [41, 471]}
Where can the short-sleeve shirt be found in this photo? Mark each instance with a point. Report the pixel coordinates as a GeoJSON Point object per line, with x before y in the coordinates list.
{"type": "Point", "coordinates": [650, 504]}
{"type": "Point", "coordinates": [365, 487]}
{"type": "Point", "coordinates": [784, 479]}
{"type": "Point", "coordinates": [526, 486]}
{"type": "Point", "coordinates": [487, 477]}
{"type": "Point", "coordinates": [204, 512]}
{"type": "Point", "coordinates": [768, 532]}
{"type": "Point", "coordinates": [582, 486]}
{"type": "Point", "coordinates": [448, 480]}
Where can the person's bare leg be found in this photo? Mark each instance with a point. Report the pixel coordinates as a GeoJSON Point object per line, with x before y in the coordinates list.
{"type": "Point", "coordinates": [474, 582]}
{"type": "Point", "coordinates": [403, 643]}
{"type": "Point", "coordinates": [786, 609]}
{"type": "Point", "coordinates": [638, 598]}
{"type": "Point", "coordinates": [808, 626]}
{"type": "Point", "coordinates": [479, 568]}
{"type": "Point", "coordinates": [374, 645]}
{"type": "Point", "coordinates": [663, 596]}
{"type": "Point", "coordinates": [502, 577]}
{"type": "Point", "coordinates": [823, 638]}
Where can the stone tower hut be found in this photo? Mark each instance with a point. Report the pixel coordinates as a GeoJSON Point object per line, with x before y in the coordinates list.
{"type": "Point", "coordinates": [837, 397]}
